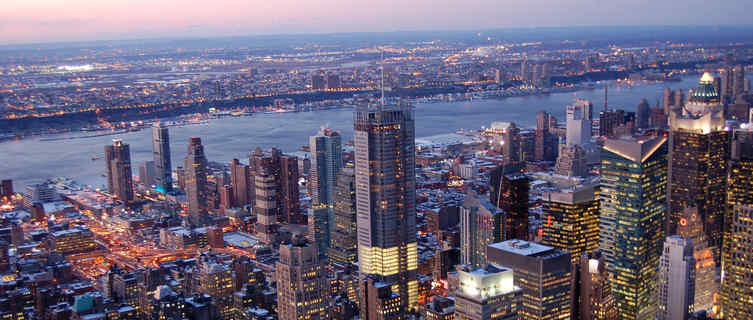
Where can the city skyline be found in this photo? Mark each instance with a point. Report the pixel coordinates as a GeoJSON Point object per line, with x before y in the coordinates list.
{"type": "Point", "coordinates": [87, 20]}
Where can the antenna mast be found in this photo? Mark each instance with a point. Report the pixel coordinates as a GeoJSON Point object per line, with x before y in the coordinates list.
{"type": "Point", "coordinates": [382, 78]}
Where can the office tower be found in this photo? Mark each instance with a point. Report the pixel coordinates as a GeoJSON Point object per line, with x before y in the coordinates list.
{"type": "Point", "coordinates": [266, 208]}
{"type": "Point", "coordinates": [642, 115]}
{"type": "Point", "coordinates": [736, 294]}
{"type": "Point", "coordinates": [302, 286]}
{"type": "Point", "coordinates": [630, 62]}
{"type": "Point", "coordinates": [616, 123]}
{"type": "Point", "coordinates": [524, 70]}
{"type": "Point", "coordinates": [542, 272]}
{"type": "Point", "coordinates": [195, 165]}
{"type": "Point", "coordinates": [118, 169]}
{"type": "Point", "coordinates": [440, 308]}
{"type": "Point", "coordinates": [718, 86]}
{"type": "Point", "coordinates": [691, 227]}
{"type": "Point", "coordinates": [676, 279]}
{"type": "Point", "coordinates": [579, 125]}
{"type": "Point", "coordinates": [148, 173]}
{"type": "Point", "coordinates": [739, 81]}
{"type": "Point", "coordinates": [38, 193]}
{"type": "Point", "coordinates": [506, 140]}
{"type": "Point", "coordinates": [326, 161]}
{"type": "Point", "coordinates": [333, 82]}
{"type": "Point", "coordinates": [592, 291]}
{"type": "Point", "coordinates": [162, 160]}
{"type": "Point", "coordinates": [669, 100]}
{"type": "Point", "coordinates": [571, 162]}
{"type": "Point", "coordinates": [166, 304]}
{"type": "Point", "coordinates": [746, 85]}
{"type": "Point", "coordinates": [680, 98]}
{"type": "Point", "coordinates": [6, 188]}
{"type": "Point", "coordinates": [487, 292]}
{"type": "Point", "coordinates": [728, 85]}
{"type": "Point", "coordinates": [499, 76]}
{"type": "Point", "coordinates": [243, 186]}
{"type": "Point", "coordinates": [633, 195]}
{"type": "Point", "coordinates": [181, 174]}
{"type": "Point", "coordinates": [215, 279]}
{"type": "Point", "coordinates": [698, 154]}
{"type": "Point", "coordinates": [386, 195]}
{"type": "Point", "coordinates": [509, 192]}
{"type": "Point", "coordinates": [546, 142]}
{"type": "Point", "coordinates": [318, 82]}
{"type": "Point", "coordinates": [379, 301]}
{"type": "Point", "coordinates": [318, 229]}
{"type": "Point", "coordinates": [343, 248]}
{"type": "Point", "coordinates": [481, 224]}
{"type": "Point", "coordinates": [284, 168]}
{"type": "Point", "coordinates": [226, 197]}
{"type": "Point", "coordinates": [570, 220]}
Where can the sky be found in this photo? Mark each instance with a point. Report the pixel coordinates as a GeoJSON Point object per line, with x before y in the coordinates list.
{"type": "Point", "coordinates": [34, 21]}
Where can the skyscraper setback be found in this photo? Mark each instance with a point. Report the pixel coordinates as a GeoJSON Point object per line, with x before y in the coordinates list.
{"type": "Point", "coordinates": [118, 169]}
{"type": "Point", "coordinates": [386, 194]}
{"type": "Point", "coordinates": [162, 159]}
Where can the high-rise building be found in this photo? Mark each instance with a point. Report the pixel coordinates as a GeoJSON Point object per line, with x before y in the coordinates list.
{"type": "Point", "coordinates": [386, 196]}
{"type": "Point", "coordinates": [302, 285]}
{"type": "Point", "coordinates": [543, 273]}
{"type": "Point", "coordinates": [739, 81]}
{"type": "Point", "coordinates": [571, 161]}
{"type": "Point", "coordinates": [509, 192]}
{"type": "Point", "coordinates": [642, 115]}
{"type": "Point", "coordinates": [38, 193]}
{"type": "Point", "coordinates": [680, 98]}
{"type": "Point", "coordinates": [631, 224]}
{"type": "Point", "coordinates": [506, 140]}
{"type": "Point", "coordinates": [546, 142]}
{"type": "Point", "coordinates": [592, 291]}
{"type": "Point", "coordinates": [266, 208]}
{"type": "Point", "coordinates": [195, 165]}
{"type": "Point", "coordinates": [698, 154]}
{"type": "Point", "coordinates": [318, 228]}
{"type": "Point", "coordinates": [213, 278]}
{"type": "Point", "coordinates": [727, 85]}
{"type": "Point", "coordinates": [669, 100]}
{"type": "Point", "coordinates": [570, 220]}
{"type": "Point", "coordinates": [676, 279]}
{"type": "Point", "coordinates": [326, 161]}
{"type": "Point", "coordinates": [6, 188]}
{"type": "Point", "coordinates": [481, 224]}
{"type": "Point", "coordinates": [736, 293]}
{"type": "Point", "coordinates": [243, 184]}
{"type": "Point", "coordinates": [162, 160]}
{"type": "Point", "coordinates": [333, 82]}
{"type": "Point", "coordinates": [343, 248]}
{"type": "Point", "coordinates": [691, 227]}
{"type": "Point", "coordinates": [148, 173]}
{"type": "Point", "coordinates": [318, 82]}
{"type": "Point", "coordinates": [379, 301]}
{"type": "Point", "coordinates": [487, 292]}
{"type": "Point", "coordinates": [118, 169]}
{"type": "Point", "coordinates": [579, 122]}
{"type": "Point", "coordinates": [284, 169]}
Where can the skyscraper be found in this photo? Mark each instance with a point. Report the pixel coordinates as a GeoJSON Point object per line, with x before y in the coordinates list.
{"type": "Point", "coordinates": [631, 224]}
{"type": "Point", "coordinates": [343, 236]}
{"type": "Point", "coordinates": [284, 169]}
{"type": "Point", "coordinates": [162, 160]}
{"type": "Point", "coordinates": [509, 192]}
{"type": "Point", "coordinates": [386, 195]}
{"type": "Point", "coordinates": [542, 272]}
{"type": "Point", "coordinates": [579, 122]}
{"type": "Point", "coordinates": [642, 115]}
{"type": "Point", "coordinates": [326, 161]}
{"type": "Point", "coordinates": [302, 285]}
{"type": "Point", "coordinates": [698, 154]}
{"type": "Point", "coordinates": [570, 220]}
{"type": "Point", "coordinates": [266, 208]}
{"type": "Point", "coordinates": [691, 227]}
{"type": "Point", "coordinates": [592, 292]}
{"type": "Point", "coordinates": [571, 162]}
{"type": "Point", "coordinates": [487, 292]}
{"type": "Point", "coordinates": [506, 140]}
{"type": "Point", "coordinates": [318, 229]}
{"type": "Point", "coordinates": [147, 173]}
{"type": "Point", "coordinates": [118, 169]}
{"type": "Point", "coordinates": [739, 81]}
{"type": "Point", "coordinates": [676, 279]}
{"type": "Point", "coordinates": [214, 278]}
{"type": "Point", "coordinates": [243, 184]}
{"type": "Point", "coordinates": [195, 165]}
{"type": "Point", "coordinates": [481, 224]}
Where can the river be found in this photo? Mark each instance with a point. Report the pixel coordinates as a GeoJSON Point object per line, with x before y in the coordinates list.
{"type": "Point", "coordinates": [33, 160]}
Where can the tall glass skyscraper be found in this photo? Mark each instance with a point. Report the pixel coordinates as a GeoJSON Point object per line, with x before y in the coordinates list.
{"type": "Point", "coordinates": [386, 197]}
{"type": "Point", "coordinates": [633, 214]}
{"type": "Point", "coordinates": [326, 162]}
{"type": "Point", "coordinates": [161, 153]}
{"type": "Point", "coordinates": [196, 183]}
{"type": "Point", "coordinates": [118, 169]}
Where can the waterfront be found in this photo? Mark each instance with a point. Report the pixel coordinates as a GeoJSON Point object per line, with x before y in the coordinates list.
{"type": "Point", "coordinates": [35, 159]}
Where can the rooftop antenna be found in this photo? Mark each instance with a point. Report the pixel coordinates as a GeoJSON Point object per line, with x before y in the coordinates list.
{"type": "Point", "coordinates": [382, 78]}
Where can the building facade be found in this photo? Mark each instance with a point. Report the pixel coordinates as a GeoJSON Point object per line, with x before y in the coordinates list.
{"type": "Point", "coordinates": [676, 279]}
{"type": "Point", "coordinates": [162, 159]}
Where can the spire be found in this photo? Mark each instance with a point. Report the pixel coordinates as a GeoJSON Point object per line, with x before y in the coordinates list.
{"type": "Point", "coordinates": [382, 78]}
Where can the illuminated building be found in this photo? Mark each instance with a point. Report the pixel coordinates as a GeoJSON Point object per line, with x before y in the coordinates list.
{"type": "Point", "coordinates": [632, 216]}
{"type": "Point", "coordinates": [592, 292]}
{"type": "Point", "coordinates": [266, 208]}
{"type": "Point", "coordinates": [162, 159]}
{"type": "Point", "coordinates": [579, 122]}
{"type": "Point", "coordinates": [118, 170]}
{"type": "Point", "coordinates": [570, 220]}
{"type": "Point", "coordinates": [440, 308]}
{"type": "Point", "coordinates": [706, 284]}
{"type": "Point", "coordinates": [571, 162]}
{"type": "Point", "coordinates": [318, 228]}
{"type": "Point", "coordinates": [668, 100]}
{"type": "Point", "coordinates": [380, 302]}
{"type": "Point", "coordinates": [284, 169]}
{"type": "Point", "coordinates": [147, 174]}
{"type": "Point", "coordinates": [506, 140]}
{"type": "Point", "coordinates": [326, 161]}
{"type": "Point", "coordinates": [343, 248]}
{"type": "Point", "coordinates": [488, 293]}
{"type": "Point", "coordinates": [509, 192]}
{"type": "Point", "coordinates": [543, 273]}
{"type": "Point", "coordinates": [167, 304]}
{"type": "Point", "coordinates": [546, 142]}
{"type": "Point", "coordinates": [302, 286]}
{"type": "Point", "coordinates": [72, 240]}
{"type": "Point", "coordinates": [736, 294]}
{"type": "Point", "coordinates": [739, 81]}
{"type": "Point", "coordinates": [642, 115]}
{"type": "Point", "coordinates": [676, 279]}
{"type": "Point", "coordinates": [195, 166]}
{"type": "Point", "coordinates": [385, 162]}
{"type": "Point", "coordinates": [616, 123]}
{"type": "Point", "coordinates": [215, 279]}
{"type": "Point", "coordinates": [38, 193]}
{"type": "Point", "coordinates": [125, 287]}
{"type": "Point", "coordinates": [698, 154]}
{"type": "Point", "coordinates": [243, 184]}
{"type": "Point", "coordinates": [6, 188]}
{"type": "Point", "coordinates": [481, 224]}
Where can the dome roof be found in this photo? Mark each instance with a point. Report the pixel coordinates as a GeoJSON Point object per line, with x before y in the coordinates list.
{"type": "Point", "coordinates": [705, 92]}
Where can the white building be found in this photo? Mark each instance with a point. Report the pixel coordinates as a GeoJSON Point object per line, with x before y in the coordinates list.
{"type": "Point", "coordinates": [676, 279]}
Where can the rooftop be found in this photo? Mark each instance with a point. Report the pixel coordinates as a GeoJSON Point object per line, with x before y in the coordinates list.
{"type": "Point", "coordinates": [521, 247]}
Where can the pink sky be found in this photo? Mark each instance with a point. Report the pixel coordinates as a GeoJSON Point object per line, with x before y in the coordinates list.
{"type": "Point", "coordinates": [25, 21]}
